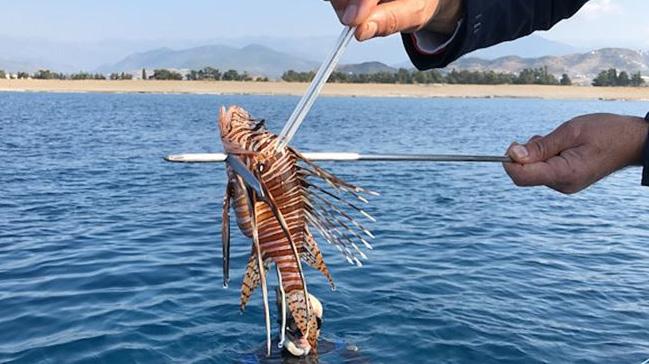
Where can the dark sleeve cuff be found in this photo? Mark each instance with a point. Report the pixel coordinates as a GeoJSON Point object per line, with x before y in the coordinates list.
{"type": "Point", "coordinates": [489, 22]}
{"type": "Point", "coordinates": [645, 159]}
{"type": "Point", "coordinates": [442, 57]}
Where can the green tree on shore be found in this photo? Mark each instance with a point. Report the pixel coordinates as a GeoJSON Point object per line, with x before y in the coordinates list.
{"type": "Point", "coordinates": [565, 80]}
{"type": "Point", "coordinates": [637, 80]}
{"type": "Point", "coordinates": [539, 76]}
{"type": "Point", "coordinates": [165, 74]}
{"type": "Point", "coordinates": [205, 74]}
{"type": "Point", "coordinates": [293, 76]}
{"type": "Point", "coordinates": [121, 76]}
{"type": "Point", "coordinates": [49, 75]}
{"type": "Point", "coordinates": [86, 76]}
{"type": "Point", "coordinates": [623, 79]}
{"type": "Point", "coordinates": [233, 75]}
{"type": "Point", "coordinates": [611, 78]}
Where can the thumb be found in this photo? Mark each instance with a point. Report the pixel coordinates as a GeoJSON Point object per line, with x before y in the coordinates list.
{"type": "Point", "coordinates": [540, 149]}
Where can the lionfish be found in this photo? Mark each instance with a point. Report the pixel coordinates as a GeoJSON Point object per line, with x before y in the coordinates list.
{"type": "Point", "coordinates": [280, 223]}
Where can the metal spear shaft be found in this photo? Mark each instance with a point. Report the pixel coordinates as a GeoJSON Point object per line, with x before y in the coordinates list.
{"type": "Point", "coordinates": [354, 157]}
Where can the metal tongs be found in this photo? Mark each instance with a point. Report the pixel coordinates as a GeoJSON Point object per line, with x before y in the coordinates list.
{"type": "Point", "coordinates": [325, 71]}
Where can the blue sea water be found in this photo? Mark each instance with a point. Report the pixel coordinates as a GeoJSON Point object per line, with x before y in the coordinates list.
{"type": "Point", "coordinates": [110, 255]}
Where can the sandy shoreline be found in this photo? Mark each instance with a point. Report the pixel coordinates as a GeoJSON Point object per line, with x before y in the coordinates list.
{"type": "Point", "coordinates": [348, 90]}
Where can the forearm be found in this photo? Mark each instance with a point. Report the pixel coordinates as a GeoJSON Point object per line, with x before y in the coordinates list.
{"type": "Point", "coordinates": [488, 22]}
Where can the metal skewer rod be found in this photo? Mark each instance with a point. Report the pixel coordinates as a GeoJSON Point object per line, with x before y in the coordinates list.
{"type": "Point", "coordinates": [354, 157]}
{"type": "Point", "coordinates": [305, 104]}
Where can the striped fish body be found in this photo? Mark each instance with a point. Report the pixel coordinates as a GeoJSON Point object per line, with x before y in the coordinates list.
{"type": "Point", "coordinates": [278, 173]}
{"type": "Point", "coordinates": [284, 219]}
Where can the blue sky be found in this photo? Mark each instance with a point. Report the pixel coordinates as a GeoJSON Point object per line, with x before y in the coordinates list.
{"type": "Point", "coordinates": [601, 23]}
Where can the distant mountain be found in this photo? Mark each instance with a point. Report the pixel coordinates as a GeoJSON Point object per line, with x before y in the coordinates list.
{"type": "Point", "coordinates": [533, 46]}
{"type": "Point", "coordinates": [366, 68]}
{"type": "Point", "coordinates": [254, 59]}
{"type": "Point", "coordinates": [30, 65]}
{"type": "Point", "coordinates": [581, 65]}
{"type": "Point", "coordinates": [303, 54]}
{"type": "Point", "coordinates": [388, 50]}
{"type": "Point", "coordinates": [26, 53]}
{"type": "Point", "coordinates": [13, 66]}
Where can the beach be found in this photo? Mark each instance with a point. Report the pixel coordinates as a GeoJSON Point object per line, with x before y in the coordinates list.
{"type": "Point", "coordinates": [344, 90]}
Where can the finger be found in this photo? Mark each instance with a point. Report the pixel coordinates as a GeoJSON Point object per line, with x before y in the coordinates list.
{"type": "Point", "coordinates": [544, 148]}
{"type": "Point", "coordinates": [564, 173]}
{"type": "Point", "coordinates": [357, 11]}
{"type": "Point", "coordinates": [393, 17]}
{"type": "Point", "coordinates": [528, 175]}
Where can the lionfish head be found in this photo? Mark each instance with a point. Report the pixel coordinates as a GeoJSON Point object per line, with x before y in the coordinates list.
{"type": "Point", "coordinates": [235, 118]}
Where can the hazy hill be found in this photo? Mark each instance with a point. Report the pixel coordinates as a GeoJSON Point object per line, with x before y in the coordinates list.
{"type": "Point", "coordinates": [31, 65]}
{"type": "Point", "coordinates": [255, 59]}
{"type": "Point", "coordinates": [261, 60]}
{"type": "Point", "coordinates": [29, 54]}
{"type": "Point", "coordinates": [533, 46]}
{"type": "Point", "coordinates": [366, 68]}
{"type": "Point", "coordinates": [585, 65]}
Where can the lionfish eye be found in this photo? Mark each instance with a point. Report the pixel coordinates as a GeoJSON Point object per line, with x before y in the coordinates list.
{"type": "Point", "coordinates": [261, 167]}
{"type": "Point", "coordinates": [260, 124]}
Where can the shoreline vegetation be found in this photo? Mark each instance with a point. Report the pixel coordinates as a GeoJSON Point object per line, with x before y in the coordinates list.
{"type": "Point", "coordinates": [365, 74]}
{"type": "Point", "coordinates": [432, 90]}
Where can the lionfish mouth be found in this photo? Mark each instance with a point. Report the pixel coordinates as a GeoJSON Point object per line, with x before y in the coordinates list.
{"type": "Point", "coordinates": [298, 347]}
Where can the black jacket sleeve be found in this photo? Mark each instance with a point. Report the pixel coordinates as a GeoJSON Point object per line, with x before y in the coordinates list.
{"type": "Point", "coordinates": [645, 159]}
{"type": "Point", "coordinates": [489, 22]}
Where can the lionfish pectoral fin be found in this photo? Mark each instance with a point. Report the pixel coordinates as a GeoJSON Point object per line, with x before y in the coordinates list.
{"type": "Point", "coordinates": [225, 235]}
{"type": "Point", "coordinates": [336, 225]}
{"type": "Point", "coordinates": [333, 180]}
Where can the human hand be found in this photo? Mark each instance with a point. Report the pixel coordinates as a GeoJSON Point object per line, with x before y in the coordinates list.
{"type": "Point", "coordinates": [379, 18]}
{"type": "Point", "coordinates": [579, 152]}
